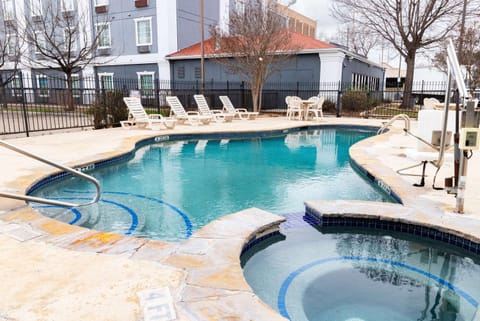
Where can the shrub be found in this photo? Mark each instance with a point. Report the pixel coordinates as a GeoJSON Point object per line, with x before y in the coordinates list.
{"type": "Point", "coordinates": [355, 101]}
{"type": "Point", "coordinates": [329, 107]}
{"type": "Point", "coordinates": [109, 109]}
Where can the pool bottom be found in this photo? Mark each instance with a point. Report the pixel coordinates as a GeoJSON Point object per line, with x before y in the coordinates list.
{"type": "Point", "coordinates": [308, 274]}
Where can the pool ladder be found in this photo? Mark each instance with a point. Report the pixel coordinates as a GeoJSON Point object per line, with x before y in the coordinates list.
{"type": "Point", "coordinates": [62, 167]}
{"type": "Point", "coordinates": [403, 117]}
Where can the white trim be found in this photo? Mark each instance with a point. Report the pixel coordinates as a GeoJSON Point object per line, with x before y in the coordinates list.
{"type": "Point", "coordinates": [8, 11]}
{"type": "Point", "coordinates": [99, 3]}
{"type": "Point", "coordinates": [75, 78]}
{"type": "Point", "coordinates": [139, 77]}
{"type": "Point", "coordinates": [149, 19]}
{"type": "Point", "coordinates": [39, 88]}
{"type": "Point", "coordinates": [67, 5]}
{"type": "Point", "coordinates": [34, 5]}
{"type": "Point", "coordinates": [105, 74]}
{"type": "Point", "coordinates": [11, 51]}
{"type": "Point", "coordinates": [39, 39]}
{"type": "Point", "coordinates": [104, 29]}
{"type": "Point", "coordinates": [16, 91]}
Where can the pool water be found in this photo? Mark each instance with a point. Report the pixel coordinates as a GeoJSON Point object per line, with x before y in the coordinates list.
{"type": "Point", "coordinates": [170, 189]}
{"type": "Point", "coordinates": [334, 274]}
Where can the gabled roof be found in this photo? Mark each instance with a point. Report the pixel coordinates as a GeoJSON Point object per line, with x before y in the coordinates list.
{"type": "Point", "coordinates": [298, 42]}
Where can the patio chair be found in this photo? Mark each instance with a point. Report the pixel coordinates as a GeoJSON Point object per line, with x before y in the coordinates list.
{"type": "Point", "coordinates": [316, 108]}
{"type": "Point", "coordinates": [139, 118]}
{"type": "Point", "coordinates": [294, 106]}
{"type": "Point", "coordinates": [217, 115]}
{"type": "Point", "coordinates": [191, 117]}
{"type": "Point", "coordinates": [430, 103]}
{"type": "Point", "coordinates": [241, 113]}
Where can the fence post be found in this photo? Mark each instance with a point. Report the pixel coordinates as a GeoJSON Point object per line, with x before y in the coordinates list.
{"type": "Point", "coordinates": [24, 106]}
{"type": "Point", "coordinates": [339, 100]}
{"type": "Point", "coordinates": [157, 94]}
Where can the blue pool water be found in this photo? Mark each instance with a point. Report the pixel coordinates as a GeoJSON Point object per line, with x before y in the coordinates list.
{"type": "Point", "coordinates": [333, 274]}
{"type": "Point", "coordinates": [168, 190]}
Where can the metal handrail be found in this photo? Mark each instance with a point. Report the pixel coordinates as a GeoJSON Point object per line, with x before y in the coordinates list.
{"type": "Point", "coordinates": [392, 120]}
{"type": "Point", "coordinates": [62, 167]}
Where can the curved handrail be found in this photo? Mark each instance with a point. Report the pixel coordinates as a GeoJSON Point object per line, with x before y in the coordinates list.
{"type": "Point", "coordinates": [62, 167]}
{"type": "Point", "coordinates": [405, 118]}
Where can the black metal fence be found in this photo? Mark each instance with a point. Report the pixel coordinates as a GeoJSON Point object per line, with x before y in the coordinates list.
{"type": "Point", "coordinates": [41, 103]}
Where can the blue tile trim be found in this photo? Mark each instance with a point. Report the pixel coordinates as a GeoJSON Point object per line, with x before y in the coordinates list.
{"type": "Point", "coordinates": [254, 241]}
{"type": "Point", "coordinates": [413, 229]}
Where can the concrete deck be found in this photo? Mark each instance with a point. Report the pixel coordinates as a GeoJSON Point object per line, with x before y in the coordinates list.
{"type": "Point", "coordinates": [54, 271]}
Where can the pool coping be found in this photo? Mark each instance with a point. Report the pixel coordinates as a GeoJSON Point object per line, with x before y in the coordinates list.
{"type": "Point", "coordinates": [210, 260]}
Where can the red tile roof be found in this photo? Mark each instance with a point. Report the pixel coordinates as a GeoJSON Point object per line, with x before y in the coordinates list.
{"type": "Point", "coordinates": [298, 42]}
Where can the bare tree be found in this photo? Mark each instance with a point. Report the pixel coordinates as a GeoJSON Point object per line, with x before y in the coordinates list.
{"type": "Point", "coordinates": [256, 45]}
{"type": "Point", "coordinates": [61, 39]}
{"type": "Point", "coordinates": [358, 40]}
{"type": "Point", "coordinates": [10, 50]}
{"type": "Point", "coordinates": [408, 25]}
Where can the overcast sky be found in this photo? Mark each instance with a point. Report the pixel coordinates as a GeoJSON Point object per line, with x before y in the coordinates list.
{"type": "Point", "coordinates": [327, 26]}
{"type": "Point", "coordinates": [320, 11]}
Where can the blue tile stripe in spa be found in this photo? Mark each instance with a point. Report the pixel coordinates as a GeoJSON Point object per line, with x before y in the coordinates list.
{"type": "Point", "coordinates": [281, 302]}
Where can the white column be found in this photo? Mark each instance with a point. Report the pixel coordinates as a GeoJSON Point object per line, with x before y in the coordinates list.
{"type": "Point", "coordinates": [224, 15]}
{"type": "Point", "coordinates": [331, 70]}
{"type": "Point", "coordinates": [167, 35]}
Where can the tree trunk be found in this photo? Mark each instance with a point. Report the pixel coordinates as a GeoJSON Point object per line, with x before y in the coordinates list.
{"type": "Point", "coordinates": [407, 90]}
{"type": "Point", "coordinates": [69, 94]}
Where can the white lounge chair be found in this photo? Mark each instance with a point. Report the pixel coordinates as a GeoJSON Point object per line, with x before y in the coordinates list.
{"type": "Point", "coordinates": [217, 115]}
{"type": "Point", "coordinates": [241, 113]}
{"type": "Point", "coordinates": [139, 118]}
{"type": "Point", "coordinates": [430, 103]}
{"type": "Point", "coordinates": [316, 108]}
{"type": "Point", "coordinates": [294, 107]}
{"type": "Point", "coordinates": [191, 117]}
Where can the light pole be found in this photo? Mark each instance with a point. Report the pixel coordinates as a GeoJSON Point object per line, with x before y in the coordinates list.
{"type": "Point", "coordinates": [202, 47]}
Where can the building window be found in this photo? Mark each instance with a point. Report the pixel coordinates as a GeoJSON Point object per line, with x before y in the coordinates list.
{"type": "Point", "coordinates": [104, 37]}
{"type": "Point", "coordinates": [16, 86]}
{"type": "Point", "coordinates": [198, 72]}
{"type": "Point", "coordinates": [143, 30]}
{"type": "Point", "coordinates": [40, 43]}
{"type": "Point", "coordinates": [240, 6]}
{"type": "Point", "coordinates": [146, 83]}
{"type": "Point", "coordinates": [181, 72]}
{"type": "Point", "coordinates": [106, 80]}
{"type": "Point", "coordinates": [12, 45]}
{"type": "Point", "coordinates": [42, 85]}
{"type": "Point", "coordinates": [75, 85]}
{"type": "Point", "coordinates": [99, 3]}
{"type": "Point", "coordinates": [67, 5]}
{"type": "Point", "coordinates": [8, 10]}
{"type": "Point", "coordinates": [70, 39]}
{"type": "Point", "coordinates": [36, 8]}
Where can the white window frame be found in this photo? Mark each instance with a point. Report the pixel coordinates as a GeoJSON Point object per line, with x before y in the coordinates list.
{"type": "Point", "coordinates": [146, 73]}
{"type": "Point", "coordinates": [36, 8]}
{"type": "Point", "coordinates": [240, 6]}
{"type": "Point", "coordinates": [40, 38]}
{"type": "Point", "coordinates": [149, 20]}
{"type": "Point", "coordinates": [105, 28]}
{"type": "Point", "coordinates": [99, 3]}
{"type": "Point", "coordinates": [74, 40]}
{"type": "Point", "coordinates": [41, 89]}
{"type": "Point", "coordinates": [16, 86]}
{"type": "Point", "coordinates": [8, 10]}
{"type": "Point", "coordinates": [12, 47]}
{"type": "Point", "coordinates": [75, 80]}
{"type": "Point", "coordinates": [67, 5]}
{"type": "Point", "coordinates": [105, 75]}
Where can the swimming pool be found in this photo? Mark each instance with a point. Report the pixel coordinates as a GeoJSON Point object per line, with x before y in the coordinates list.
{"type": "Point", "coordinates": [173, 186]}
{"type": "Point", "coordinates": [339, 274]}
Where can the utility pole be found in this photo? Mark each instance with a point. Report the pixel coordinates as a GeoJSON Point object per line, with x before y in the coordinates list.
{"type": "Point", "coordinates": [202, 48]}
